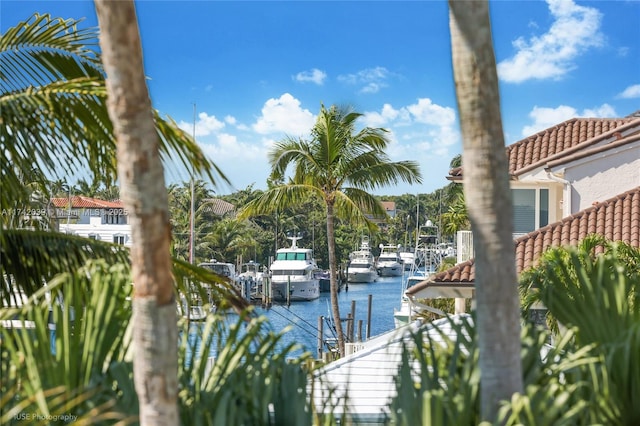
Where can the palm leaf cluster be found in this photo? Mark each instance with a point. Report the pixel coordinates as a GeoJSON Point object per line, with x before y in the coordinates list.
{"type": "Point", "coordinates": [338, 164]}
{"type": "Point", "coordinates": [53, 109]}
{"type": "Point", "coordinates": [595, 288]}
{"type": "Point", "coordinates": [67, 350]}
{"type": "Point", "coordinates": [439, 380]}
{"type": "Point", "coordinates": [251, 373]}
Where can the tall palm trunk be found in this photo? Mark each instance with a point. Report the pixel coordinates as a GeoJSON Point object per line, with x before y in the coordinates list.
{"type": "Point", "coordinates": [145, 198]}
{"type": "Point", "coordinates": [333, 279]}
{"type": "Point", "coordinates": [488, 197]}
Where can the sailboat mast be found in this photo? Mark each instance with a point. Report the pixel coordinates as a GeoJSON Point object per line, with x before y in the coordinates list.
{"type": "Point", "coordinates": [417, 219]}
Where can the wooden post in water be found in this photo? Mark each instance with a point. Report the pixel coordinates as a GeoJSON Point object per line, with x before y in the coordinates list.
{"type": "Point", "coordinates": [320, 336]}
{"type": "Point", "coordinates": [353, 320]}
{"type": "Point", "coordinates": [359, 330]}
{"type": "Point", "coordinates": [289, 290]}
{"type": "Point", "coordinates": [349, 326]}
{"type": "Point", "coordinates": [369, 317]}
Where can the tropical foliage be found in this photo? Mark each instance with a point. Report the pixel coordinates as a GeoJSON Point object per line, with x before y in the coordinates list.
{"type": "Point", "coordinates": [53, 108]}
{"type": "Point", "coordinates": [84, 368]}
{"type": "Point", "coordinates": [439, 380]}
{"type": "Point", "coordinates": [595, 288]}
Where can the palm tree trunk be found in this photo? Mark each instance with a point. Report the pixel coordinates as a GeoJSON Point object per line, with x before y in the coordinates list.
{"type": "Point", "coordinates": [144, 194]}
{"type": "Point", "coordinates": [333, 279]}
{"type": "Point", "coordinates": [488, 198]}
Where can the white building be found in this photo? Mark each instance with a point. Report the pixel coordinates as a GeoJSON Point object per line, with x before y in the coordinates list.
{"type": "Point", "coordinates": [93, 218]}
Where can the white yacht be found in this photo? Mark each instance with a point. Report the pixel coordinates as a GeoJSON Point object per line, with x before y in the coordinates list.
{"type": "Point", "coordinates": [362, 265]}
{"type": "Point", "coordinates": [294, 274]}
{"type": "Point", "coordinates": [389, 262]}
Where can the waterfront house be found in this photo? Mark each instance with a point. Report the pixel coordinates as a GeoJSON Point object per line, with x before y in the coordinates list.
{"type": "Point", "coordinates": [577, 178]}
{"type": "Point", "coordinates": [566, 168]}
{"type": "Point", "coordinates": [93, 218]}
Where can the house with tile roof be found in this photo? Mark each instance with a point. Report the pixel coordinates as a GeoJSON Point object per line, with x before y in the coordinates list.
{"type": "Point", "coordinates": [93, 218]}
{"type": "Point", "coordinates": [574, 179]}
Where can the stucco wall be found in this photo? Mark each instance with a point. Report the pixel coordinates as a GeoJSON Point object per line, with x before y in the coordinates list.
{"type": "Point", "coordinates": [602, 177]}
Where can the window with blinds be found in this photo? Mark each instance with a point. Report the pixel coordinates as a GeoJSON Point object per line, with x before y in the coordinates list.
{"type": "Point", "coordinates": [530, 209]}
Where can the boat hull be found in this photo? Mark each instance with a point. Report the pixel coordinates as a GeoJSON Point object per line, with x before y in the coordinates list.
{"type": "Point", "coordinates": [355, 276]}
{"type": "Point", "coordinates": [298, 290]}
{"type": "Point", "coordinates": [390, 270]}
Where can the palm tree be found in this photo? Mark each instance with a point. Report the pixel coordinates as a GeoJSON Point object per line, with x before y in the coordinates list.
{"type": "Point", "coordinates": [488, 196]}
{"type": "Point", "coordinates": [54, 116]}
{"type": "Point", "coordinates": [456, 217]}
{"type": "Point", "coordinates": [338, 165]}
{"type": "Point", "coordinates": [145, 197]}
{"type": "Point", "coordinates": [180, 217]}
{"type": "Point", "coordinates": [86, 189]}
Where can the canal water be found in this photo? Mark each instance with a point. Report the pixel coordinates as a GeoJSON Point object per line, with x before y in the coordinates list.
{"type": "Point", "coordinates": [303, 317]}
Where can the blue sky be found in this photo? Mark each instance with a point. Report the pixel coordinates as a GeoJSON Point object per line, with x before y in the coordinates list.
{"type": "Point", "coordinates": [257, 71]}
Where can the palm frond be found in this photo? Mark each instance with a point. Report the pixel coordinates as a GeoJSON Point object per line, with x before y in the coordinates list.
{"type": "Point", "coordinates": [67, 344]}
{"type": "Point", "coordinates": [53, 109]}
{"type": "Point", "coordinates": [240, 361]}
{"type": "Point", "coordinates": [358, 206]}
{"type": "Point", "coordinates": [273, 199]}
{"type": "Point", "coordinates": [597, 294]}
{"type": "Point", "coordinates": [28, 259]}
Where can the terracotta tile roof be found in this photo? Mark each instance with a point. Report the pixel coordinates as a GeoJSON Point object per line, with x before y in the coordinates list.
{"type": "Point", "coordinates": [587, 152]}
{"type": "Point", "coordinates": [81, 202]}
{"type": "Point", "coordinates": [558, 141]}
{"type": "Point", "coordinates": [617, 219]}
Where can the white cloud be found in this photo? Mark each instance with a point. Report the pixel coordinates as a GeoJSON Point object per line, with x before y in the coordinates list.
{"type": "Point", "coordinates": [551, 55]}
{"type": "Point", "coordinates": [631, 92]}
{"type": "Point", "coordinates": [423, 131]}
{"type": "Point", "coordinates": [284, 115]}
{"type": "Point", "coordinates": [314, 76]}
{"type": "Point", "coordinates": [370, 80]}
{"type": "Point", "coordinates": [603, 111]}
{"type": "Point", "coordinates": [544, 118]}
{"type": "Point", "coordinates": [205, 125]}
{"type": "Point", "coordinates": [225, 151]}
{"type": "Point", "coordinates": [379, 119]}
{"type": "Point", "coordinates": [427, 112]}
{"type": "Point", "coordinates": [420, 130]}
